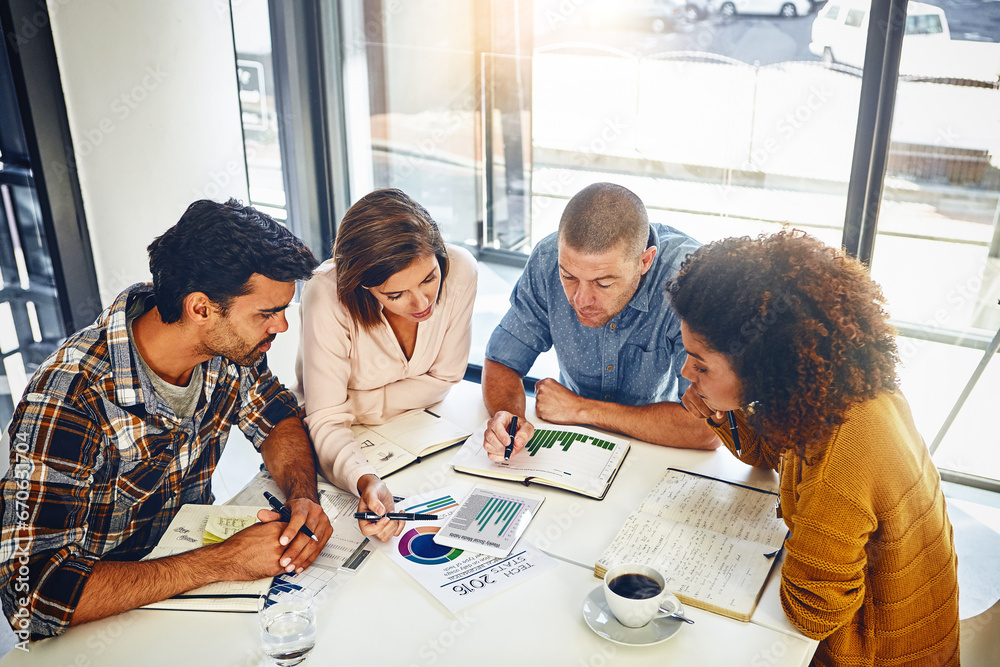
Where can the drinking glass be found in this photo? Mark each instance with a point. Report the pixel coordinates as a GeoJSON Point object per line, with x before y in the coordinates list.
{"type": "Point", "coordinates": [287, 626]}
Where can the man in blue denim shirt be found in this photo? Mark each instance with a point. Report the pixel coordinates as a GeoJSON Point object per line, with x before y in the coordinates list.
{"type": "Point", "coordinates": [617, 339]}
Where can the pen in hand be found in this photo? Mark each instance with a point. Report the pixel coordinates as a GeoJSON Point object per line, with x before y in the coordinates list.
{"type": "Point", "coordinates": [735, 431]}
{"type": "Point", "coordinates": [395, 516]}
{"type": "Point", "coordinates": [511, 431]}
{"type": "Point", "coordinates": [286, 514]}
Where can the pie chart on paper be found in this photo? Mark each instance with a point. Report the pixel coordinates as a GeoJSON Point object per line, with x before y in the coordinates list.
{"type": "Point", "coordinates": [417, 545]}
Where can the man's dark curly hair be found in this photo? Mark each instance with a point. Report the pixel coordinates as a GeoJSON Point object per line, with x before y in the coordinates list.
{"type": "Point", "coordinates": [803, 326]}
{"type": "Point", "coordinates": [215, 248]}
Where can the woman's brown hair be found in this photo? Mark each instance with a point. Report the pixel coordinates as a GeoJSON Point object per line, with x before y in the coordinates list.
{"type": "Point", "coordinates": [382, 234]}
{"type": "Point", "coordinates": [803, 326]}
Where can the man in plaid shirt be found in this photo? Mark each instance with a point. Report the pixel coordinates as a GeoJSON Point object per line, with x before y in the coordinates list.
{"type": "Point", "coordinates": [126, 422]}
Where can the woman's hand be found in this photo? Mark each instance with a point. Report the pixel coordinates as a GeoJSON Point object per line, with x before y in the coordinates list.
{"type": "Point", "coordinates": [696, 405]}
{"type": "Point", "coordinates": [375, 497]}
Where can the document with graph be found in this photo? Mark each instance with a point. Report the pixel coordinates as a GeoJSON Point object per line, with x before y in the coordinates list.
{"type": "Point", "coordinates": [567, 457]}
{"type": "Point", "coordinates": [454, 576]}
{"type": "Point", "coordinates": [489, 521]}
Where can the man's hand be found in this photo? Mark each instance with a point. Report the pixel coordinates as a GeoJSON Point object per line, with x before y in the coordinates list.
{"type": "Point", "coordinates": [300, 549]}
{"type": "Point", "coordinates": [557, 404]}
{"type": "Point", "coordinates": [375, 497]}
{"type": "Point", "coordinates": [252, 553]}
{"type": "Point", "coordinates": [496, 438]}
{"type": "Point", "coordinates": [288, 455]}
{"type": "Point", "coordinates": [696, 406]}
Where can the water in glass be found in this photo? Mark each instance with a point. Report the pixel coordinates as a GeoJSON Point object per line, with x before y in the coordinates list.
{"type": "Point", "coordinates": [288, 633]}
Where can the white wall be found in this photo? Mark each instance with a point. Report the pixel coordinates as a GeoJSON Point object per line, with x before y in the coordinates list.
{"type": "Point", "coordinates": [153, 109]}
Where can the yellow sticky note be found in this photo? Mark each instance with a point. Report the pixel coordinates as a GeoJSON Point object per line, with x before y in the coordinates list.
{"type": "Point", "coordinates": [220, 527]}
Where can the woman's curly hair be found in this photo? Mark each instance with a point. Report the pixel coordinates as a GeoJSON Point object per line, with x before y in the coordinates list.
{"type": "Point", "coordinates": [803, 326]}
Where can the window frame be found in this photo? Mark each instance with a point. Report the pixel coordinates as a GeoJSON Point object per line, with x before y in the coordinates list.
{"type": "Point", "coordinates": [883, 48]}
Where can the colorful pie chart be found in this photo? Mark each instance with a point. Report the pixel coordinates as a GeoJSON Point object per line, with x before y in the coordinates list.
{"type": "Point", "coordinates": [418, 545]}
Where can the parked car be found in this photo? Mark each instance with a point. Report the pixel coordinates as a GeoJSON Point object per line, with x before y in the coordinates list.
{"type": "Point", "coordinates": [840, 33]}
{"type": "Point", "coordinates": [696, 10]}
{"type": "Point", "coordinates": [787, 8]}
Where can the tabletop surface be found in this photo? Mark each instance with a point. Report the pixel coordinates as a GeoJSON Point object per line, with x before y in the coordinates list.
{"type": "Point", "coordinates": [381, 616]}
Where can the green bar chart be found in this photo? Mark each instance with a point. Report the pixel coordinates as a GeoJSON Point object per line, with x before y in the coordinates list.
{"type": "Point", "coordinates": [489, 521]}
{"type": "Point", "coordinates": [503, 509]}
{"type": "Point", "coordinates": [548, 439]}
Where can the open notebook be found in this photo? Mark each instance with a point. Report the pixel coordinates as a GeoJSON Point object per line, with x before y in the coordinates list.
{"type": "Point", "coordinates": [405, 439]}
{"type": "Point", "coordinates": [195, 525]}
{"type": "Point", "coordinates": [186, 532]}
{"type": "Point", "coordinates": [714, 541]}
{"type": "Point", "coordinates": [574, 458]}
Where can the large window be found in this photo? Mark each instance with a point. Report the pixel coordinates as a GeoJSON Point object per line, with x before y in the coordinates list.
{"type": "Point", "coordinates": [937, 254]}
{"type": "Point", "coordinates": [30, 324]}
{"type": "Point", "coordinates": [255, 77]}
{"type": "Point", "coordinates": [33, 321]}
{"type": "Point", "coordinates": [493, 114]}
{"type": "Point", "coordinates": [727, 118]}
{"type": "Point", "coordinates": [411, 96]}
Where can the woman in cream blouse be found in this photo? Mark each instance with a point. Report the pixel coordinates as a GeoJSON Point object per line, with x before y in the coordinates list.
{"type": "Point", "coordinates": [386, 327]}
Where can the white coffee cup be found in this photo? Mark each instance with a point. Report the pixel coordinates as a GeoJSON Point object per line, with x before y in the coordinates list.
{"type": "Point", "coordinates": [635, 599]}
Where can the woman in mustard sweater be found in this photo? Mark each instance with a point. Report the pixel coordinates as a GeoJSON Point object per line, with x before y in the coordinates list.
{"type": "Point", "coordinates": [792, 337]}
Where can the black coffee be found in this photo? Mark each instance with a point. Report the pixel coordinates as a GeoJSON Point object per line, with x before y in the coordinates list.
{"type": "Point", "coordinates": [634, 586]}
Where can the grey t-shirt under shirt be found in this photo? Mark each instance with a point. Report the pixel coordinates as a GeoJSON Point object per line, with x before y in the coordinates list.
{"type": "Point", "coordinates": [182, 400]}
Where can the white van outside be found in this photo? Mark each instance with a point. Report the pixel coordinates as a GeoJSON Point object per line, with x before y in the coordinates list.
{"type": "Point", "coordinates": [840, 32]}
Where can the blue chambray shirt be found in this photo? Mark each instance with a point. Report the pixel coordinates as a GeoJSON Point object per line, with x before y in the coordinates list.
{"type": "Point", "coordinates": [634, 359]}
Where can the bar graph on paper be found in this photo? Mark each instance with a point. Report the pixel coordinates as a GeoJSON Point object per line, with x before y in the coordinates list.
{"type": "Point", "coordinates": [570, 457]}
{"type": "Point", "coordinates": [571, 454]}
{"type": "Point", "coordinates": [505, 512]}
{"type": "Point", "coordinates": [548, 439]}
{"type": "Point", "coordinates": [441, 506]}
{"type": "Point", "coordinates": [489, 521]}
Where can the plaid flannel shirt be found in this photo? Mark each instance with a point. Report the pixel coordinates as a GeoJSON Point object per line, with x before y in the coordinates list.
{"type": "Point", "coordinates": [100, 464]}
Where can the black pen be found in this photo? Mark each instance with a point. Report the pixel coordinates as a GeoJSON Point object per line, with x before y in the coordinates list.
{"type": "Point", "coordinates": [735, 431]}
{"type": "Point", "coordinates": [511, 431]}
{"type": "Point", "coordinates": [396, 516]}
{"type": "Point", "coordinates": [286, 514]}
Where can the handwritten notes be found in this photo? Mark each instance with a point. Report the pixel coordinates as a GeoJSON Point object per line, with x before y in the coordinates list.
{"type": "Point", "coordinates": [713, 541]}
{"type": "Point", "coordinates": [703, 502]}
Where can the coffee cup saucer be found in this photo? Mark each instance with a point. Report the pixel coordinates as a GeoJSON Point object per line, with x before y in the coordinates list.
{"type": "Point", "coordinates": [599, 618]}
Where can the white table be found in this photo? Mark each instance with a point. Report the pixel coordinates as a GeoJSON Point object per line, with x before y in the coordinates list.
{"type": "Point", "coordinates": [381, 616]}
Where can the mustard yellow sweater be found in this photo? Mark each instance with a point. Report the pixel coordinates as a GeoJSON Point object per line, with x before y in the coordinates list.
{"type": "Point", "coordinates": [870, 569]}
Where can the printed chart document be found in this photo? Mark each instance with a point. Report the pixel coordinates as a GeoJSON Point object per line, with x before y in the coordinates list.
{"type": "Point", "coordinates": [489, 521]}
{"type": "Point", "coordinates": [344, 551]}
{"type": "Point", "coordinates": [567, 457]}
{"type": "Point", "coordinates": [186, 532]}
{"type": "Point", "coordinates": [401, 441]}
{"type": "Point", "coordinates": [714, 541]}
{"type": "Point", "coordinates": [457, 578]}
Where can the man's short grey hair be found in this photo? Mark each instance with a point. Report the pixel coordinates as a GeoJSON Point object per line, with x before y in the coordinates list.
{"type": "Point", "coordinates": [604, 216]}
